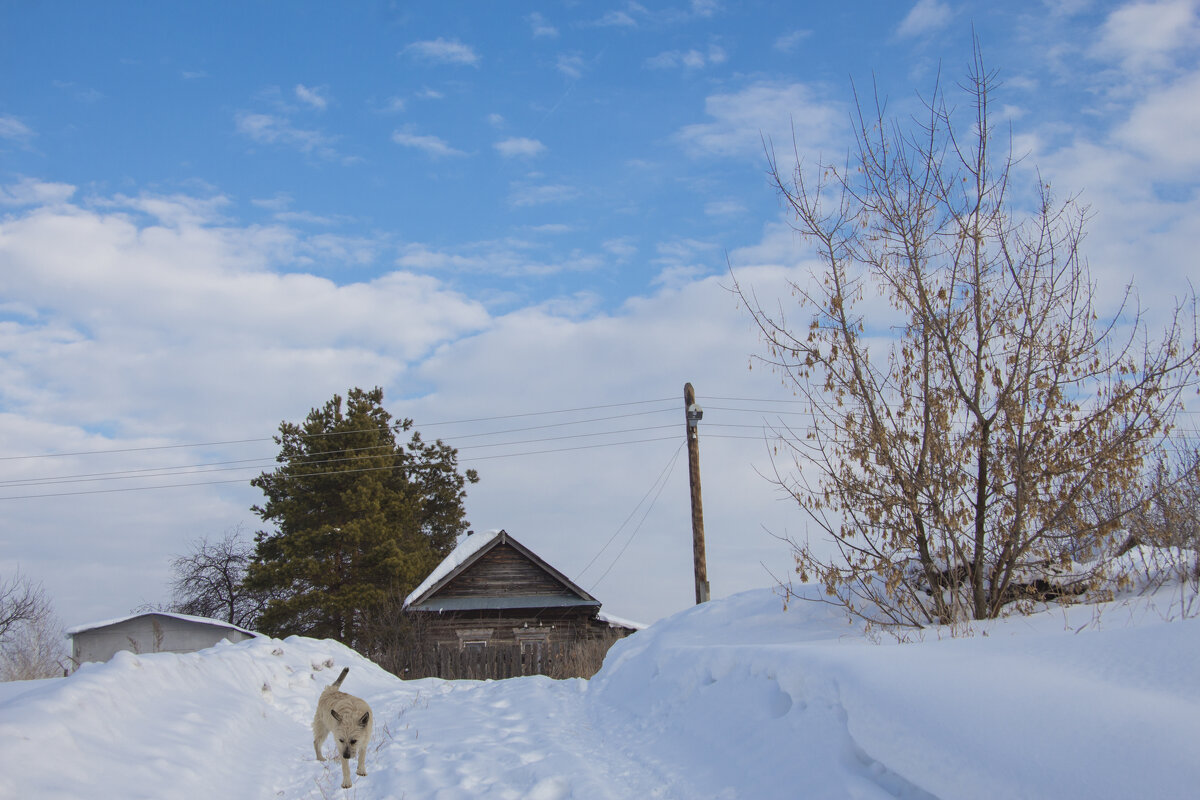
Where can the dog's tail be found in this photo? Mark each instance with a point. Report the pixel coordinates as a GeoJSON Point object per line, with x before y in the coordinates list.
{"type": "Point", "coordinates": [338, 683]}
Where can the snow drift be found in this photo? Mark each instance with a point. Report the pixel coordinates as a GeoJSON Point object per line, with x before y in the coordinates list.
{"type": "Point", "coordinates": [734, 699]}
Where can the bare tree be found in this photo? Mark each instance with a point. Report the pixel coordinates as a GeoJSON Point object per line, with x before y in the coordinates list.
{"type": "Point", "coordinates": [21, 600]}
{"type": "Point", "coordinates": [209, 581]}
{"type": "Point", "coordinates": [1167, 528]}
{"type": "Point", "coordinates": [963, 427]}
{"type": "Point", "coordinates": [31, 637]}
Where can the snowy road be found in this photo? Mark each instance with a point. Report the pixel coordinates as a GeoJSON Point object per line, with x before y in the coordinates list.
{"type": "Point", "coordinates": [735, 699]}
{"type": "Point", "coordinates": [511, 739]}
{"type": "Point", "coordinates": [234, 722]}
{"type": "Point", "coordinates": [529, 738]}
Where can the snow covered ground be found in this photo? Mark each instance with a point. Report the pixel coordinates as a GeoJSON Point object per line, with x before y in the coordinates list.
{"type": "Point", "coordinates": [733, 699]}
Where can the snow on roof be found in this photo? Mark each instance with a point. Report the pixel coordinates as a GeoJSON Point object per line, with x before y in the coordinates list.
{"type": "Point", "coordinates": [91, 626]}
{"type": "Point", "coordinates": [468, 547]}
{"type": "Point", "coordinates": [604, 616]}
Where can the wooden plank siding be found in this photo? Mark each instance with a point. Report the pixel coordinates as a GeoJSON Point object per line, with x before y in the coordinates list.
{"type": "Point", "coordinates": [509, 626]}
{"type": "Point", "coordinates": [562, 660]}
{"type": "Point", "coordinates": [499, 610]}
{"type": "Point", "coordinates": [504, 571]}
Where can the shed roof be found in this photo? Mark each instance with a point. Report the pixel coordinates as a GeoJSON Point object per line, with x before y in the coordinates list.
{"type": "Point", "coordinates": [469, 551]}
{"type": "Point", "coordinates": [91, 626]}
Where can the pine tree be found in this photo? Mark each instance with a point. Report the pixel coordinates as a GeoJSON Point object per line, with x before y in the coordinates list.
{"type": "Point", "coordinates": [359, 518]}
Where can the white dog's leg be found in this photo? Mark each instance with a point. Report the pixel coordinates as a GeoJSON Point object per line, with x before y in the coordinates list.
{"type": "Point", "coordinates": [345, 772]}
{"type": "Point", "coordinates": [362, 755]}
{"type": "Point", "coordinates": [318, 740]}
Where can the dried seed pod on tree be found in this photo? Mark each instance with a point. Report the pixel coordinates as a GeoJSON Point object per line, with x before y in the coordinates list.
{"type": "Point", "coordinates": [959, 439]}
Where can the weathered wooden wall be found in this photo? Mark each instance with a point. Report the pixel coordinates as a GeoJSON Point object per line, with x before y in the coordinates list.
{"type": "Point", "coordinates": [511, 625]}
{"type": "Point", "coordinates": [503, 571]}
{"type": "Point", "coordinates": [559, 660]}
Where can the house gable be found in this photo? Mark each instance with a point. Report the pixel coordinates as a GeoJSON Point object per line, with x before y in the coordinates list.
{"type": "Point", "coordinates": [504, 569]}
{"type": "Point", "coordinates": [495, 609]}
{"type": "Point", "coordinates": [499, 572]}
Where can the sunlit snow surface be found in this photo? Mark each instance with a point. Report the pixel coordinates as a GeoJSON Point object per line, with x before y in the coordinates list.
{"type": "Point", "coordinates": [734, 699]}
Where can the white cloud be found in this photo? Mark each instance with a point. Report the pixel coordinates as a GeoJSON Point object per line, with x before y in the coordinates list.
{"type": "Point", "coordinates": [1165, 128]}
{"type": "Point", "coordinates": [687, 59]}
{"type": "Point", "coordinates": [394, 105]}
{"type": "Point", "coordinates": [623, 247]}
{"type": "Point", "coordinates": [164, 296]}
{"type": "Point", "coordinates": [174, 211]}
{"type": "Point", "coordinates": [924, 17]}
{"type": "Point", "coordinates": [13, 129]}
{"type": "Point", "coordinates": [541, 28]}
{"type": "Point", "coordinates": [524, 195]}
{"type": "Point", "coordinates": [507, 258]}
{"type": "Point", "coordinates": [550, 227]}
{"type": "Point", "coordinates": [32, 192]}
{"type": "Point", "coordinates": [313, 97]}
{"type": "Point", "coordinates": [676, 250]}
{"type": "Point", "coordinates": [83, 94]}
{"type": "Point", "coordinates": [430, 145]}
{"type": "Point", "coordinates": [788, 42]}
{"type": "Point", "coordinates": [1145, 35]}
{"type": "Point", "coordinates": [443, 51]}
{"type": "Point", "coordinates": [687, 331]}
{"type": "Point", "coordinates": [570, 64]}
{"type": "Point", "coordinates": [280, 201]}
{"type": "Point", "coordinates": [519, 147]}
{"type": "Point", "coordinates": [275, 129]}
{"type": "Point", "coordinates": [764, 111]}
{"type": "Point", "coordinates": [126, 331]}
{"type": "Point", "coordinates": [617, 19]}
{"type": "Point", "coordinates": [724, 208]}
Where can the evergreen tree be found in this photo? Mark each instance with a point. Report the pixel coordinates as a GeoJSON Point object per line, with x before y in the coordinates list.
{"type": "Point", "coordinates": [359, 518]}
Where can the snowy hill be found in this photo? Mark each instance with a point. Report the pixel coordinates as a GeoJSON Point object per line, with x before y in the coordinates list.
{"type": "Point", "coordinates": [733, 699]}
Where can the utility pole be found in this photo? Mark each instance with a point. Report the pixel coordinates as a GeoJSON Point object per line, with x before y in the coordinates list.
{"type": "Point", "coordinates": [694, 414]}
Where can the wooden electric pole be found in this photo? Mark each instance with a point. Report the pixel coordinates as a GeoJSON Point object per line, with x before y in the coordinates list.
{"type": "Point", "coordinates": [694, 414]}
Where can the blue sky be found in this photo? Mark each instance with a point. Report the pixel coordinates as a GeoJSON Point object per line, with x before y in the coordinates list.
{"type": "Point", "coordinates": [527, 152]}
{"type": "Point", "coordinates": [214, 216]}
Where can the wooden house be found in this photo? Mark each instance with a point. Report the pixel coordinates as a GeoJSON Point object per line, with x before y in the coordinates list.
{"type": "Point", "coordinates": [493, 592]}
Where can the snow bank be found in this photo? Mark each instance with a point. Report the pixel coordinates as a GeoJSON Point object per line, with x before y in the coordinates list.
{"type": "Point", "coordinates": [169, 725]}
{"type": "Point", "coordinates": [733, 699]}
{"type": "Point", "coordinates": [1091, 702]}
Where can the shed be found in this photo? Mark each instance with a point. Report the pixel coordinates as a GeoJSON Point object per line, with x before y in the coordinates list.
{"type": "Point", "coordinates": [151, 632]}
{"type": "Point", "coordinates": [492, 590]}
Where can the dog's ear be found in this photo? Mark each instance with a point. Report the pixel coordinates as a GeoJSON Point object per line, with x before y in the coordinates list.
{"type": "Point", "coordinates": [336, 715]}
{"type": "Point", "coordinates": [362, 723]}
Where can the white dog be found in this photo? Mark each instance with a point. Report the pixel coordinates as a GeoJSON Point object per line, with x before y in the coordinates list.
{"type": "Point", "coordinates": [350, 721]}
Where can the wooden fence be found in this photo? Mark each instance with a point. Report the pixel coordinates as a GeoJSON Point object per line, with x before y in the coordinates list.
{"type": "Point", "coordinates": [499, 661]}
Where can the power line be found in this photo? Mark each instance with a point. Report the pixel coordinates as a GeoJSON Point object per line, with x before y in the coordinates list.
{"type": "Point", "coordinates": [504, 431]}
{"type": "Point", "coordinates": [227, 442]}
{"type": "Point", "coordinates": [265, 462]}
{"type": "Point", "coordinates": [662, 484]}
{"type": "Point", "coordinates": [542, 413]}
{"type": "Point", "coordinates": [569, 449]}
{"type": "Point", "coordinates": [311, 474]}
{"type": "Point", "coordinates": [460, 443]}
{"type": "Point", "coordinates": [183, 445]}
{"type": "Point", "coordinates": [665, 470]}
{"type": "Point", "coordinates": [563, 438]}
{"type": "Point", "coordinates": [119, 450]}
